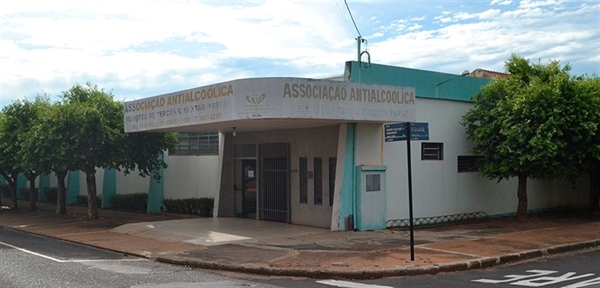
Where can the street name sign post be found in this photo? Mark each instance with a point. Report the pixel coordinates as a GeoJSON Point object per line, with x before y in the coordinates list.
{"type": "Point", "coordinates": [406, 131]}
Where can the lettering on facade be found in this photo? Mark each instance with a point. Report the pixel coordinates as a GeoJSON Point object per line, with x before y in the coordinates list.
{"type": "Point", "coordinates": [336, 93]}
{"type": "Point", "coordinates": [185, 97]}
{"type": "Point", "coordinates": [271, 98]}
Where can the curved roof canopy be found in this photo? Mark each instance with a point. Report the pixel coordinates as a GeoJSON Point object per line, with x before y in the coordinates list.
{"type": "Point", "coordinates": [256, 104]}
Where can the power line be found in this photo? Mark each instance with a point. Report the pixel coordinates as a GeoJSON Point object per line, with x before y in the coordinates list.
{"type": "Point", "coordinates": [351, 17]}
{"type": "Point", "coordinates": [342, 13]}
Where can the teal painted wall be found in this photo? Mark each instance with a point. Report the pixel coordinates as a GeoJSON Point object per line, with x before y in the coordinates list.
{"type": "Point", "coordinates": [2, 182]}
{"type": "Point", "coordinates": [348, 196]}
{"type": "Point", "coordinates": [109, 186]}
{"type": "Point", "coordinates": [156, 192]}
{"type": "Point", "coordinates": [44, 183]}
{"type": "Point", "coordinates": [370, 205]}
{"type": "Point", "coordinates": [21, 183]}
{"type": "Point", "coordinates": [458, 89]}
{"type": "Point", "coordinates": [72, 187]}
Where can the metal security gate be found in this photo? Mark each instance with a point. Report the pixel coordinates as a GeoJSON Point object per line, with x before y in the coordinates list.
{"type": "Point", "coordinates": [274, 182]}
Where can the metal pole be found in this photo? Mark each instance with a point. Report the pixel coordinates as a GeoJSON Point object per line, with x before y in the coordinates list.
{"type": "Point", "coordinates": [358, 41]}
{"type": "Point", "coordinates": [410, 202]}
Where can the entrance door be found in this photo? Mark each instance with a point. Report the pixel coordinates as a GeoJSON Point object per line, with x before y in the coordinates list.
{"type": "Point", "coordinates": [249, 191]}
{"type": "Point", "coordinates": [274, 182]}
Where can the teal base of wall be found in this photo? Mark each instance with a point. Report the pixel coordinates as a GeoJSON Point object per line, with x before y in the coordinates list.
{"type": "Point", "coordinates": [109, 187]}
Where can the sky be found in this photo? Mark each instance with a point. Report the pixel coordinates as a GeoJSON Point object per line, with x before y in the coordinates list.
{"type": "Point", "coordinates": [139, 49]}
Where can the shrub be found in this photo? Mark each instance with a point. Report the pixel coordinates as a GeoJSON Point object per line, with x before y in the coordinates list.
{"type": "Point", "coordinates": [51, 194]}
{"type": "Point", "coordinates": [82, 200]}
{"type": "Point", "coordinates": [24, 192]}
{"type": "Point", "coordinates": [193, 206]}
{"type": "Point", "coordinates": [206, 206]}
{"type": "Point", "coordinates": [5, 190]}
{"type": "Point", "coordinates": [135, 201]}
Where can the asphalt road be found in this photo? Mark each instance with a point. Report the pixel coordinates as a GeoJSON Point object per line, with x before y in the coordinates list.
{"type": "Point", "coordinates": [572, 270]}
{"type": "Point", "coordinates": [32, 261]}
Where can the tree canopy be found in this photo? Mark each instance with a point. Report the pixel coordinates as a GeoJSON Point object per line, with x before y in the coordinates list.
{"type": "Point", "coordinates": [84, 132]}
{"type": "Point", "coordinates": [101, 140]}
{"type": "Point", "coordinates": [538, 123]}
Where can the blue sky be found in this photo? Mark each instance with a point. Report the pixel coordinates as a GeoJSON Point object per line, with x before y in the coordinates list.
{"type": "Point", "coordinates": [138, 49]}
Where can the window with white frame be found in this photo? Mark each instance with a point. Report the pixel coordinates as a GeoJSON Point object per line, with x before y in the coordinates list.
{"type": "Point", "coordinates": [197, 144]}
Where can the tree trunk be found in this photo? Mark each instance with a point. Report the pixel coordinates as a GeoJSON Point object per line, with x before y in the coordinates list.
{"type": "Point", "coordinates": [13, 194]}
{"type": "Point", "coordinates": [594, 173]}
{"type": "Point", "coordinates": [11, 178]}
{"type": "Point", "coordinates": [90, 179]}
{"type": "Point", "coordinates": [522, 194]}
{"type": "Point", "coordinates": [33, 196]}
{"type": "Point", "coordinates": [61, 194]}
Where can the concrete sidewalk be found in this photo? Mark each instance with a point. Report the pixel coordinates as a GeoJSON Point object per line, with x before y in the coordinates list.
{"type": "Point", "coordinates": [271, 248]}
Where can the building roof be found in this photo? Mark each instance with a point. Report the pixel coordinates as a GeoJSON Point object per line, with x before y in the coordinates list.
{"type": "Point", "coordinates": [428, 84]}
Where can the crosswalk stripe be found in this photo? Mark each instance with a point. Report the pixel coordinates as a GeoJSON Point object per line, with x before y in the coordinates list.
{"type": "Point", "coordinates": [348, 284]}
{"type": "Point", "coordinates": [68, 261]}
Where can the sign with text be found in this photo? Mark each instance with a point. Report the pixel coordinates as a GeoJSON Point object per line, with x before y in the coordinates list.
{"type": "Point", "coordinates": [272, 98]}
{"type": "Point", "coordinates": [397, 131]}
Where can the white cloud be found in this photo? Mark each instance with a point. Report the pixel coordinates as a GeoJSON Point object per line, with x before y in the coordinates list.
{"type": "Point", "coordinates": [487, 44]}
{"type": "Point", "coordinates": [501, 2]}
{"type": "Point", "coordinates": [144, 48]}
{"type": "Point", "coordinates": [539, 3]}
{"type": "Point", "coordinates": [418, 18]}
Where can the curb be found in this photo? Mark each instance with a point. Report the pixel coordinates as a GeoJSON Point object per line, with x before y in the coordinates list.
{"type": "Point", "coordinates": [382, 273]}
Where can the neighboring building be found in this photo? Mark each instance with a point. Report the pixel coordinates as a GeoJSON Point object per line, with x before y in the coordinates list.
{"type": "Point", "coordinates": [487, 74]}
{"type": "Point", "coordinates": [312, 152]}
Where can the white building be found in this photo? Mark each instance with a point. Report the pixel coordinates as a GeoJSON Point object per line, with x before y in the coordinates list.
{"type": "Point", "coordinates": [312, 152]}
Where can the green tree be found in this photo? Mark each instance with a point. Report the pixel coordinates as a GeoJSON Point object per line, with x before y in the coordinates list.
{"type": "Point", "coordinates": [588, 88]}
{"type": "Point", "coordinates": [17, 119]}
{"type": "Point", "coordinates": [101, 141]}
{"type": "Point", "coordinates": [530, 125]}
{"type": "Point", "coordinates": [9, 168]}
{"type": "Point", "coordinates": [55, 145]}
{"type": "Point", "coordinates": [97, 135]}
{"type": "Point", "coordinates": [29, 154]}
{"type": "Point", "coordinates": [144, 152]}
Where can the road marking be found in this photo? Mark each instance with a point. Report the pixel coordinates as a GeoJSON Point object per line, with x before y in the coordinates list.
{"type": "Point", "coordinates": [66, 261]}
{"type": "Point", "coordinates": [347, 284]}
{"type": "Point", "coordinates": [540, 278]}
{"type": "Point", "coordinates": [103, 260]}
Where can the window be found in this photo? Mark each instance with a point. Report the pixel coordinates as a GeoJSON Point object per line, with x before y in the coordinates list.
{"type": "Point", "coordinates": [332, 168]}
{"type": "Point", "coordinates": [432, 151]}
{"type": "Point", "coordinates": [199, 144]}
{"type": "Point", "coordinates": [468, 163]}
{"type": "Point", "coordinates": [303, 170]}
{"type": "Point", "coordinates": [373, 182]}
{"type": "Point", "coordinates": [318, 181]}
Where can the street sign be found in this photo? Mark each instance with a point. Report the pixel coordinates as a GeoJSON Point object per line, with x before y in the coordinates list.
{"type": "Point", "coordinates": [397, 131]}
{"type": "Point", "coordinates": [419, 131]}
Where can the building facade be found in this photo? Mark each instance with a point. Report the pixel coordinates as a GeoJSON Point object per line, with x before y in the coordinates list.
{"type": "Point", "coordinates": [313, 152]}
